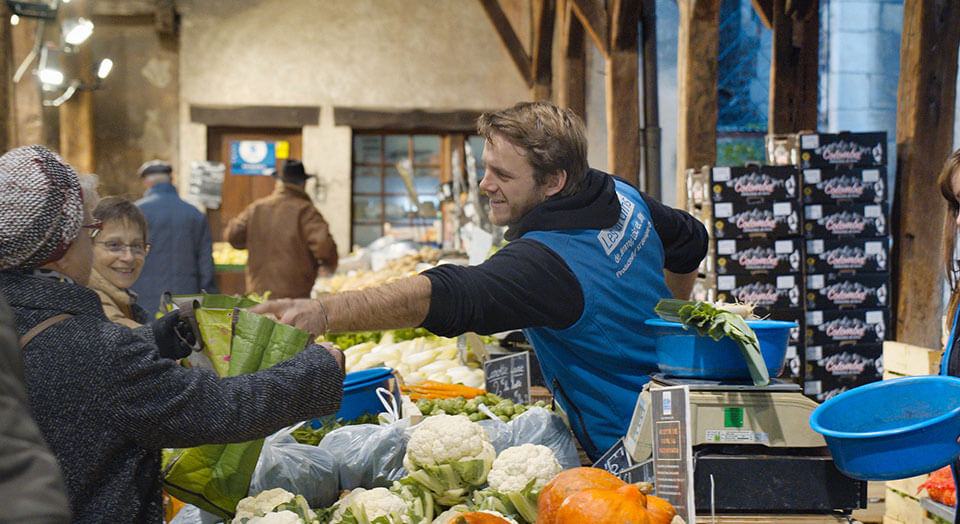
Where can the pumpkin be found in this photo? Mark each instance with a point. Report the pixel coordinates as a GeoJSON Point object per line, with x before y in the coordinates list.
{"type": "Point", "coordinates": [477, 517]}
{"type": "Point", "coordinates": [568, 482]}
{"type": "Point", "coordinates": [661, 511]}
{"type": "Point", "coordinates": [623, 505]}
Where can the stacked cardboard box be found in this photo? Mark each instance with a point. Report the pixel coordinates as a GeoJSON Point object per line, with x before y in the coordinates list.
{"type": "Point", "coordinates": [846, 271]}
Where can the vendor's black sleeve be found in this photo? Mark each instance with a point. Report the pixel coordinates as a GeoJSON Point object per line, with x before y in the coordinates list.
{"type": "Point", "coordinates": [684, 238]}
{"type": "Point", "coordinates": [524, 284]}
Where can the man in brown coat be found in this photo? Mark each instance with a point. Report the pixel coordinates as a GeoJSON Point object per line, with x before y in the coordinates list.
{"type": "Point", "coordinates": [288, 240]}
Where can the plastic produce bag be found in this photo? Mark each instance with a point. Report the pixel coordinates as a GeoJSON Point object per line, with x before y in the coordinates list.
{"type": "Point", "coordinates": [370, 455]}
{"type": "Point", "coordinates": [190, 514]}
{"type": "Point", "coordinates": [215, 477]}
{"type": "Point", "coordinates": [534, 426]}
{"type": "Point", "coordinates": [298, 468]}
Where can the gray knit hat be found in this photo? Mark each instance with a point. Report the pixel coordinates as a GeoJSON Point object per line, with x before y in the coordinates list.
{"type": "Point", "coordinates": [41, 207]}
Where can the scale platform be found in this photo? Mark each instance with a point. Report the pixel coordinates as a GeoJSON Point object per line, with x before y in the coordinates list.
{"type": "Point", "coordinates": [753, 448]}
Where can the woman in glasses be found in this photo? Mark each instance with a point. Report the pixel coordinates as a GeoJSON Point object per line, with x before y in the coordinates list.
{"type": "Point", "coordinates": [118, 254]}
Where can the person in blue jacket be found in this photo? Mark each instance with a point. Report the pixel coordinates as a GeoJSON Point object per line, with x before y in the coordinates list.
{"type": "Point", "coordinates": [181, 254]}
{"type": "Point", "coordinates": [949, 182]}
{"type": "Point", "coordinates": [588, 259]}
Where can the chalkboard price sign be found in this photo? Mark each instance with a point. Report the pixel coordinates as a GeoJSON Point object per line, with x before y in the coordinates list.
{"type": "Point", "coordinates": [509, 377]}
{"type": "Point", "coordinates": [615, 460]}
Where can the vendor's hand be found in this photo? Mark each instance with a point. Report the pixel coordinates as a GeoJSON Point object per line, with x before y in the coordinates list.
{"type": "Point", "coordinates": [301, 313]}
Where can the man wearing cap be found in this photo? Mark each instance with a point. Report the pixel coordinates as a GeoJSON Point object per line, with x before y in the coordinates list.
{"type": "Point", "coordinates": [181, 254]}
{"type": "Point", "coordinates": [288, 240]}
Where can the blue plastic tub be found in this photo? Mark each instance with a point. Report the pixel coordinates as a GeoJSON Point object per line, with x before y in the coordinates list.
{"type": "Point", "coordinates": [360, 393]}
{"type": "Point", "coordinates": [892, 429]}
{"type": "Point", "coordinates": [682, 352]}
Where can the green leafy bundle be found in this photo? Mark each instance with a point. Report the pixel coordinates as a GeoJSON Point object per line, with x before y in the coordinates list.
{"type": "Point", "coordinates": [717, 323]}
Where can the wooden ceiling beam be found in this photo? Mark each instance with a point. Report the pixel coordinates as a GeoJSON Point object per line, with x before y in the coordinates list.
{"type": "Point", "coordinates": [509, 38]}
{"type": "Point", "coordinates": [593, 14]}
{"type": "Point", "coordinates": [572, 83]}
{"type": "Point", "coordinates": [764, 9]}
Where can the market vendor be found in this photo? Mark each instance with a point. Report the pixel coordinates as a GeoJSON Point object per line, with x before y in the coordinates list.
{"type": "Point", "coordinates": [589, 257]}
{"type": "Point", "coordinates": [103, 398]}
{"type": "Point", "coordinates": [949, 182]}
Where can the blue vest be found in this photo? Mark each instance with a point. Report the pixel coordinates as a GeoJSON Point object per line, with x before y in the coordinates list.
{"type": "Point", "coordinates": [596, 367]}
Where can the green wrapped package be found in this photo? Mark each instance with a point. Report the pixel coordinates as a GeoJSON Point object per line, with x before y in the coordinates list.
{"type": "Point", "coordinates": [215, 477]}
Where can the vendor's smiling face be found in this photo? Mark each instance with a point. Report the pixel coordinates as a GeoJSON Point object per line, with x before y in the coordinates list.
{"type": "Point", "coordinates": [509, 182]}
{"type": "Point", "coordinates": [119, 253]}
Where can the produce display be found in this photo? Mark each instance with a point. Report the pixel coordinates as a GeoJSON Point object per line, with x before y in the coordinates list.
{"type": "Point", "coordinates": [226, 255]}
{"type": "Point", "coordinates": [306, 434]}
{"type": "Point", "coordinates": [395, 269]}
{"type": "Point", "coordinates": [425, 357]}
{"type": "Point", "coordinates": [505, 409]}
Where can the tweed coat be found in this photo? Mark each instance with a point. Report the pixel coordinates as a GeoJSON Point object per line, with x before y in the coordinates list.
{"type": "Point", "coordinates": [107, 403]}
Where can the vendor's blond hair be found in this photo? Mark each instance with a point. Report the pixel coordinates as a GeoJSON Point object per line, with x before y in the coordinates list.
{"type": "Point", "coordinates": [552, 139]}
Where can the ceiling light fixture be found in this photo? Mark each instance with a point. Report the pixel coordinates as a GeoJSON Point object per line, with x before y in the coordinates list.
{"type": "Point", "coordinates": [77, 30]}
{"type": "Point", "coordinates": [104, 68]}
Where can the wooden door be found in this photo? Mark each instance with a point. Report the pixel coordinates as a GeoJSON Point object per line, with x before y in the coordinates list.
{"type": "Point", "coordinates": [240, 190]}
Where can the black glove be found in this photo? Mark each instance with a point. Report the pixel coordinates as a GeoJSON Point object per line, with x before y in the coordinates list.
{"type": "Point", "coordinates": [175, 335]}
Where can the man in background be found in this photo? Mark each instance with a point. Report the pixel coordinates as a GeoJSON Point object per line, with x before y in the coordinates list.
{"type": "Point", "coordinates": [181, 254]}
{"type": "Point", "coordinates": [288, 240]}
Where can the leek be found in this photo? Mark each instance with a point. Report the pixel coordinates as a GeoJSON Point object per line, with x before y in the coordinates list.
{"type": "Point", "coordinates": [718, 323]}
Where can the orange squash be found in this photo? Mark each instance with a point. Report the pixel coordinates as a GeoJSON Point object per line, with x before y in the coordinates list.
{"type": "Point", "coordinates": [623, 505]}
{"type": "Point", "coordinates": [661, 511]}
{"type": "Point", "coordinates": [568, 482]}
{"type": "Point", "coordinates": [477, 517]}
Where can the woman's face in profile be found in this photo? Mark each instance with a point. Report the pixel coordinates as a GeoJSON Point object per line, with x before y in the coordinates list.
{"type": "Point", "coordinates": [118, 253]}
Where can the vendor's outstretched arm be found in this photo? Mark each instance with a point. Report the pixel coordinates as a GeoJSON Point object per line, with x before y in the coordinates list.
{"type": "Point", "coordinates": [680, 284]}
{"type": "Point", "coordinates": [400, 304]}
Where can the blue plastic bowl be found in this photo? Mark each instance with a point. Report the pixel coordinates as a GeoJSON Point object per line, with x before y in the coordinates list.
{"type": "Point", "coordinates": [682, 352]}
{"type": "Point", "coordinates": [892, 429]}
{"type": "Point", "coordinates": [360, 393]}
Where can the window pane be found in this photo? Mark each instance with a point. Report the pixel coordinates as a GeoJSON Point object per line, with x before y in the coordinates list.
{"type": "Point", "coordinates": [397, 148]}
{"type": "Point", "coordinates": [426, 180]}
{"type": "Point", "coordinates": [366, 208]}
{"type": "Point", "coordinates": [426, 149]}
{"type": "Point", "coordinates": [397, 207]}
{"type": "Point", "coordinates": [366, 148]}
{"type": "Point", "coordinates": [366, 179]}
{"type": "Point", "coordinates": [393, 182]}
{"type": "Point", "coordinates": [364, 235]}
{"type": "Point", "coordinates": [476, 147]}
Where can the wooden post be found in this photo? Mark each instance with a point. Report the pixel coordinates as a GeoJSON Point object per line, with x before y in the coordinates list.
{"type": "Point", "coordinates": [543, 23]}
{"type": "Point", "coordinates": [27, 107]}
{"type": "Point", "coordinates": [925, 100]}
{"type": "Point", "coordinates": [76, 114]}
{"type": "Point", "coordinates": [793, 68]}
{"type": "Point", "coordinates": [623, 91]}
{"type": "Point", "coordinates": [573, 67]}
{"type": "Point", "coordinates": [6, 80]}
{"type": "Point", "coordinates": [696, 88]}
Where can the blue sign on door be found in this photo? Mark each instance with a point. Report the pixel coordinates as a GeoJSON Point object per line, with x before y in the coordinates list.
{"type": "Point", "coordinates": [252, 157]}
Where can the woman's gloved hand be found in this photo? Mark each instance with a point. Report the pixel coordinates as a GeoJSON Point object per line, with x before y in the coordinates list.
{"type": "Point", "coordinates": [174, 335]}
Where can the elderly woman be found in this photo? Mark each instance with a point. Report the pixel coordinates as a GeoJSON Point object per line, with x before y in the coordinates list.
{"type": "Point", "coordinates": [118, 254]}
{"type": "Point", "coordinates": [103, 399]}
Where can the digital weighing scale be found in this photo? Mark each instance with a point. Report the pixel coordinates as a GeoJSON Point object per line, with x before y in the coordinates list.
{"type": "Point", "coordinates": [753, 449]}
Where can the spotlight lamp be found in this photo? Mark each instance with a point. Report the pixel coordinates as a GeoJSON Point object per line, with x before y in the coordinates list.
{"type": "Point", "coordinates": [104, 68]}
{"type": "Point", "coordinates": [76, 30]}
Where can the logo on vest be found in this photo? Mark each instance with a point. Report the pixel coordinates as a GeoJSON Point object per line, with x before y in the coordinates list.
{"type": "Point", "coordinates": [609, 238]}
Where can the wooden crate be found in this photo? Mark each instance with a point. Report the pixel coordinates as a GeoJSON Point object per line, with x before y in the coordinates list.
{"type": "Point", "coordinates": [909, 360]}
{"type": "Point", "coordinates": [904, 508]}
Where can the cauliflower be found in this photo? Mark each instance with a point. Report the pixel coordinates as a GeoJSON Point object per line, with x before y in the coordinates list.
{"type": "Point", "coordinates": [515, 467]}
{"type": "Point", "coordinates": [366, 505]}
{"type": "Point", "coordinates": [273, 506]}
{"type": "Point", "coordinates": [515, 480]}
{"type": "Point", "coordinates": [448, 454]}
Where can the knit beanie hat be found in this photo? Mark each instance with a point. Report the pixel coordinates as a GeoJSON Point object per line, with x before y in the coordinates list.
{"type": "Point", "coordinates": [41, 207]}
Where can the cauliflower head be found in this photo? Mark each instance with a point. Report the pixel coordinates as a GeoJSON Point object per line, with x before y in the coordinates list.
{"type": "Point", "coordinates": [281, 517]}
{"type": "Point", "coordinates": [365, 505]}
{"type": "Point", "coordinates": [515, 467]}
{"type": "Point", "coordinates": [261, 503]}
{"type": "Point", "coordinates": [442, 439]}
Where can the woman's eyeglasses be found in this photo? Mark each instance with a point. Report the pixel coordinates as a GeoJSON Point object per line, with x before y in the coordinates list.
{"type": "Point", "coordinates": [95, 228]}
{"type": "Point", "coordinates": [117, 248]}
